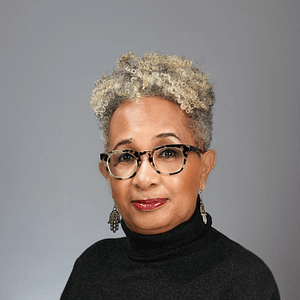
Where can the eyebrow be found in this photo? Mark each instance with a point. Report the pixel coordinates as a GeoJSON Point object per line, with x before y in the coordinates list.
{"type": "Point", "coordinates": [124, 142]}
{"type": "Point", "coordinates": [161, 135]}
{"type": "Point", "coordinates": [168, 134]}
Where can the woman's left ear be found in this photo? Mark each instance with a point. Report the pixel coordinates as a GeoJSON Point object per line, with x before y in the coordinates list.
{"type": "Point", "coordinates": [208, 162]}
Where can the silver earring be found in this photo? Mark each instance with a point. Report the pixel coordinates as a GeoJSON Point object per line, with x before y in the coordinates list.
{"type": "Point", "coordinates": [202, 209]}
{"type": "Point", "coordinates": [114, 219]}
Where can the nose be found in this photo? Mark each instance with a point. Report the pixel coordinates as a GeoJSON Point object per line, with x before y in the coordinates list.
{"type": "Point", "coordinates": [146, 175]}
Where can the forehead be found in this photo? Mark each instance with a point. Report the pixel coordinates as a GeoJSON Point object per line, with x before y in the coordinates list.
{"type": "Point", "coordinates": [144, 119]}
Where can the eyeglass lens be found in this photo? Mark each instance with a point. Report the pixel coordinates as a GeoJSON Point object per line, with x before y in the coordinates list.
{"type": "Point", "coordinates": [166, 160]}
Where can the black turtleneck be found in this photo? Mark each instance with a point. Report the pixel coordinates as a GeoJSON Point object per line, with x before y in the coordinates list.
{"type": "Point", "coordinates": [191, 261]}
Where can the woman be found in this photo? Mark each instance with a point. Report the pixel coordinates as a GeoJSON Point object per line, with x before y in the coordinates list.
{"type": "Point", "coordinates": [156, 121]}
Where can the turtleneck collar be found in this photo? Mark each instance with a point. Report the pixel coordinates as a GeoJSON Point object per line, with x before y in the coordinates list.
{"type": "Point", "coordinates": [171, 243]}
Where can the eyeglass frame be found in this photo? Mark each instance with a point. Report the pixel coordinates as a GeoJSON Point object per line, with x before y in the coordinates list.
{"type": "Point", "coordinates": [186, 148]}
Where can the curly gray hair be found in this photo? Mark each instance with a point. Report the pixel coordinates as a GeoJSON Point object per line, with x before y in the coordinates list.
{"type": "Point", "coordinates": [172, 78]}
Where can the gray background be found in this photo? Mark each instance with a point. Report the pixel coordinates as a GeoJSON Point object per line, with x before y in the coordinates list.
{"type": "Point", "coordinates": [54, 202]}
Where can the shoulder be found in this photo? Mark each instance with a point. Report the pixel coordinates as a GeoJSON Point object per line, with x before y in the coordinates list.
{"type": "Point", "coordinates": [95, 259]}
{"type": "Point", "coordinates": [249, 275]}
{"type": "Point", "coordinates": [238, 256]}
{"type": "Point", "coordinates": [102, 250]}
{"type": "Point", "coordinates": [90, 268]}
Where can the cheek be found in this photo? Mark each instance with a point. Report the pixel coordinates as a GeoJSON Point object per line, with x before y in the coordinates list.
{"type": "Point", "coordinates": [190, 181]}
{"type": "Point", "coordinates": [119, 191]}
{"type": "Point", "coordinates": [116, 189]}
{"type": "Point", "coordinates": [183, 186]}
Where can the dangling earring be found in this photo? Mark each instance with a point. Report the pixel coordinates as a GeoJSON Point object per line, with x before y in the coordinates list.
{"type": "Point", "coordinates": [202, 209]}
{"type": "Point", "coordinates": [114, 219]}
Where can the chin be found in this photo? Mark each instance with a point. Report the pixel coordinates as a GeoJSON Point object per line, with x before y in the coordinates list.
{"type": "Point", "coordinates": [154, 229]}
{"type": "Point", "coordinates": [151, 223]}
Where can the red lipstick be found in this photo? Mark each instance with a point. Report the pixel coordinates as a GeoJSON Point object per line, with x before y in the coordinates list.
{"type": "Point", "coordinates": [149, 204]}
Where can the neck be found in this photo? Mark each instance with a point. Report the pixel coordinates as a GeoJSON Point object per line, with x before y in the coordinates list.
{"type": "Point", "coordinates": [156, 246]}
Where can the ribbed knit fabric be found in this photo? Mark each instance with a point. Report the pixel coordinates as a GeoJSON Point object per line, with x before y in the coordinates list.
{"type": "Point", "coordinates": [191, 261]}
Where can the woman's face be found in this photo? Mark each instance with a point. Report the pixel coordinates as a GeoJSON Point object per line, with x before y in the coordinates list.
{"type": "Point", "coordinates": [144, 125]}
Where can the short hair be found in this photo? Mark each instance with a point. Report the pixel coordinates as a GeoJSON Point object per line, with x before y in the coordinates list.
{"type": "Point", "coordinates": [172, 78]}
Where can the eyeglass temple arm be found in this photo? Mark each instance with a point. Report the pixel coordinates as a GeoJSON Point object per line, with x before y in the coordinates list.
{"type": "Point", "coordinates": [196, 149]}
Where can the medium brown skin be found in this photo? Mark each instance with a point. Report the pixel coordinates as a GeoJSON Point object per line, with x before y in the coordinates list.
{"type": "Point", "coordinates": [137, 125]}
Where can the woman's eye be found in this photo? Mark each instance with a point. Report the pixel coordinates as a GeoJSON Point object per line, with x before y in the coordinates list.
{"type": "Point", "coordinates": [126, 158]}
{"type": "Point", "coordinates": [168, 153]}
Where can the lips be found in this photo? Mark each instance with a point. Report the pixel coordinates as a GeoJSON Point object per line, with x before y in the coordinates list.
{"type": "Point", "coordinates": [149, 204]}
